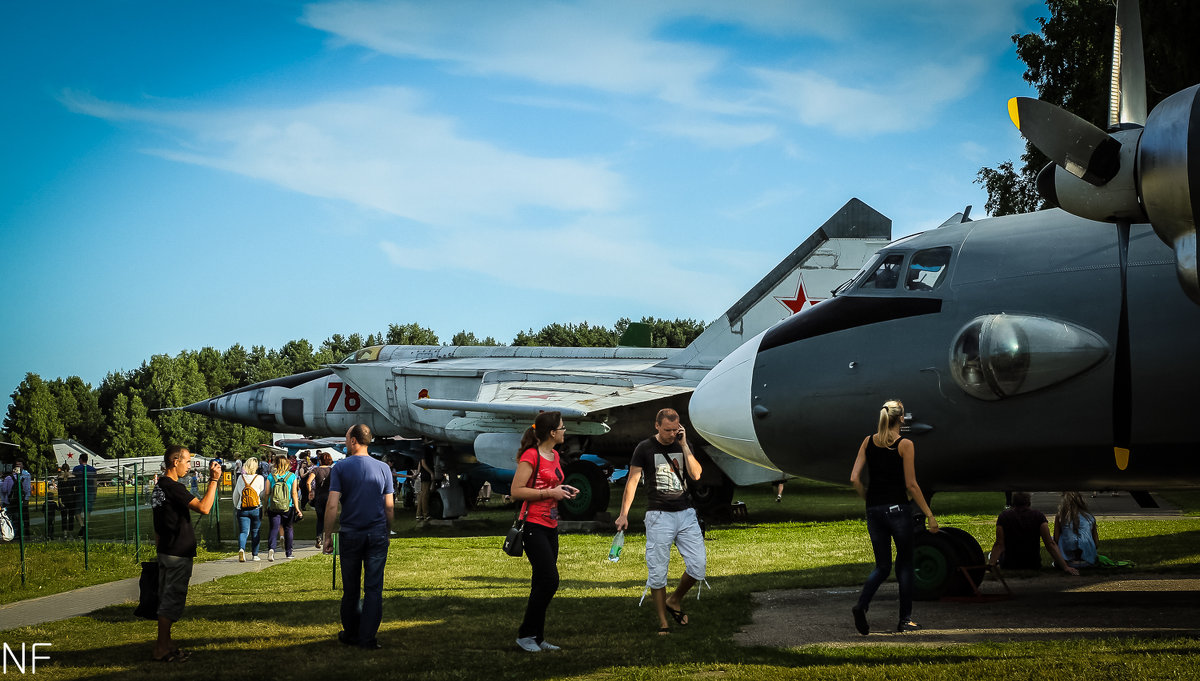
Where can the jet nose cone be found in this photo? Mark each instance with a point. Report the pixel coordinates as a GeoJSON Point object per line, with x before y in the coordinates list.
{"type": "Point", "coordinates": [197, 408]}
{"type": "Point", "coordinates": [720, 405]}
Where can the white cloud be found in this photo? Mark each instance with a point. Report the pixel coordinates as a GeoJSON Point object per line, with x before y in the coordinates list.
{"type": "Point", "coordinates": [722, 135]}
{"type": "Point", "coordinates": [377, 149]}
{"type": "Point", "coordinates": [907, 101]}
{"type": "Point", "coordinates": [591, 257]}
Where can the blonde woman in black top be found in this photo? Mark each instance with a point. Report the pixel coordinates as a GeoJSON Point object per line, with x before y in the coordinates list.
{"type": "Point", "coordinates": [890, 464]}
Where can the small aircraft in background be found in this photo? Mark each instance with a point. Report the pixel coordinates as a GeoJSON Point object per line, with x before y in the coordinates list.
{"type": "Point", "coordinates": [69, 451]}
{"type": "Point", "coordinates": [1046, 351]}
{"type": "Point", "coordinates": [289, 444]}
{"type": "Point", "coordinates": [473, 403]}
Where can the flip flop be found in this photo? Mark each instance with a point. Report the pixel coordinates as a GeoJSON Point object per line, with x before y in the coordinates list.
{"type": "Point", "coordinates": [679, 616]}
{"type": "Point", "coordinates": [663, 631]}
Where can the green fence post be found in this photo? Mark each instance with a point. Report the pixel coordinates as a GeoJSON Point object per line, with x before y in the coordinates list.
{"type": "Point", "coordinates": [137, 517]}
{"type": "Point", "coordinates": [124, 507]}
{"type": "Point", "coordinates": [21, 500]}
{"type": "Point", "coordinates": [335, 560]}
{"type": "Point", "coordinates": [86, 517]}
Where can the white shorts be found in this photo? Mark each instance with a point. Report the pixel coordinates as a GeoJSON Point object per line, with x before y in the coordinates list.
{"type": "Point", "coordinates": [683, 529]}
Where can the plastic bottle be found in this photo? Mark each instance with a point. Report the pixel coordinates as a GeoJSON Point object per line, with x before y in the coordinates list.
{"type": "Point", "coordinates": [614, 554]}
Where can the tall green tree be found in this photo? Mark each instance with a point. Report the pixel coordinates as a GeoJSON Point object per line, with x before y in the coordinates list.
{"type": "Point", "coordinates": [1069, 62]}
{"type": "Point", "coordinates": [130, 430]}
{"type": "Point", "coordinates": [469, 338]}
{"type": "Point", "coordinates": [32, 422]}
{"type": "Point", "coordinates": [410, 334]}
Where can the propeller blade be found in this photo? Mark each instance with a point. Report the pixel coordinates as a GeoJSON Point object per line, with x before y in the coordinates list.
{"type": "Point", "coordinates": [1127, 94]}
{"type": "Point", "coordinates": [1080, 148]}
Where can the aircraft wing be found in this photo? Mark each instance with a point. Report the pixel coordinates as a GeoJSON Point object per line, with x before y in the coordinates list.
{"type": "Point", "coordinates": [577, 394]}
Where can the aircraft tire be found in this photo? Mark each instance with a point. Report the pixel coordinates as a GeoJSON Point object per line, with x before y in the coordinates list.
{"type": "Point", "coordinates": [594, 491]}
{"type": "Point", "coordinates": [971, 554]}
{"type": "Point", "coordinates": [936, 558]}
{"type": "Point", "coordinates": [436, 510]}
{"type": "Point", "coordinates": [713, 501]}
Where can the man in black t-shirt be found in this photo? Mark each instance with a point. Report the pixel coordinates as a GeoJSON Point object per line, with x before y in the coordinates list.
{"type": "Point", "coordinates": [1018, 530]}
{"type": "Point", "coordinates": [172, 504]}
{"type": "Point", "coordinates": [670, 518]}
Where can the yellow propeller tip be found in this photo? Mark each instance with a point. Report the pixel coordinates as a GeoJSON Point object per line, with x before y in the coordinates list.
{"type": "Point", "coordinates": [1012, 112]}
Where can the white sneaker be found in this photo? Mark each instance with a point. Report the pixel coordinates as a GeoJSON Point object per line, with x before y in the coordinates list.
{"type": "Point", "coordinates": [548, 646]}
{"type": "Point", "coordinates": [527, 643]}
{"type": "Point", "coordinates": [241, 555]}
{"type": "Point", "coordinates": [257, 559]}
{"type": "Point", "coordinates": [271, 555]}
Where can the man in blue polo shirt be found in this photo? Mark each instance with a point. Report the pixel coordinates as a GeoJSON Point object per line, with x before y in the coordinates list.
{"type": "Point", "coordinates": [363, 487]}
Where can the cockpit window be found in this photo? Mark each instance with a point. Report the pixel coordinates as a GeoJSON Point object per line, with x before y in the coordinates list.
{"type": "Point", "coordinates": [370, 354]}
{"type": "Point", "coordinates": [886, 275]}
{"type": "Point", "coordinates": [927, 269]}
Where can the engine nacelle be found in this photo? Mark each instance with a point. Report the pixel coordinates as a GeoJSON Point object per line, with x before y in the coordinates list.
{"type": "Point", "coordinates": [1169, 175]}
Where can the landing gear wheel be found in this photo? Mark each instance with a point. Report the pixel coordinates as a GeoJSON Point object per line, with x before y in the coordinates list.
{"type": "Point", "coordinates": [713, 500]}
{"type": "Point", "coordinates": [936, 558]}
{"type": "Point", "coordinates": [971, 554]}
{"type": "Point", "coordinates": [593, 489]}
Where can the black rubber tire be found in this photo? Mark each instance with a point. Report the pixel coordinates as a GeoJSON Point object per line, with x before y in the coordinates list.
{"type": "Point", "coordinates": [713, 501]}
{"type": "Point", "coordinates": [436, 508]}
{"type": "Point", "coordinates": [971, 553]}
{"type": "Point", "coordinates": [594, 491]}
{"type": "Point", "coordinates": [936, 558]}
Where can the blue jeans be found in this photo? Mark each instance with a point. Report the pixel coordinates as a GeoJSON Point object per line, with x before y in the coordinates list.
{"type": "Point", "coordinates": [364, 554]}
{"type": "Point", "coordinates": [887, 524]}
{"type": "Point", "coordinates": [249, 521]}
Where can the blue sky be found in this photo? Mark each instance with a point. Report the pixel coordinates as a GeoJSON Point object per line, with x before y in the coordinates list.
{"type": "Point", "coordinates": [186, 174]}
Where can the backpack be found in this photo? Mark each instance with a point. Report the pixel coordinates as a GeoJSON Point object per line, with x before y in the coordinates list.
{"type": "Point", "coordinates": [281, 494]}
{"type": "Point", "coordinates": [249, 494]}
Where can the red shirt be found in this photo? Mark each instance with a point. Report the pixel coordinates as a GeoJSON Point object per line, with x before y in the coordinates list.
{"type": "Point", "coordinates": [549, 475]}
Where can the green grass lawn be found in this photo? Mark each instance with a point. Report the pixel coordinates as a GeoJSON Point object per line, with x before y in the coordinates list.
{"type": "Point", "coordinates": [453, 602]}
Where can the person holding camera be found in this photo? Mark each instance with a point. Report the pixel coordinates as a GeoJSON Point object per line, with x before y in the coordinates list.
{"type": "Point", "coordinates": [670, 516]}
{"type": "Point", "coordinates": [172, 505]}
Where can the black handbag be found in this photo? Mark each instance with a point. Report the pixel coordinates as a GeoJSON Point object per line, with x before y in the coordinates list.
{"type": "Point", "coordinates": [514, 541]}
{"type": "Point", "coordinates": [148, 586]}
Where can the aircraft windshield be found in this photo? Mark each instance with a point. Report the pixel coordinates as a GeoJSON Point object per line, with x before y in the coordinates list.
{"type": "Point", "coordinates": [867, 266]}
{"type": "Point", "coordinates": [927, 269]}
{"type": "Point", "coordinates": [886, 274]}
{"type": "Point", "coordinates": [370, 354]}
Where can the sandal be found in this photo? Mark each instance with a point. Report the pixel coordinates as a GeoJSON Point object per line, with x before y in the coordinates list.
{"type": "Point", "coordinates": [663, 631]}
{"type": "Point", "coordinates": [679, 616]}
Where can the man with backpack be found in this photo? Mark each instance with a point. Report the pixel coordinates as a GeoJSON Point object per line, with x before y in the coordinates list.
{"type": "Point", "coordinates": [283, 506]}
{"type": "Point", "coordinates": [363, 487]}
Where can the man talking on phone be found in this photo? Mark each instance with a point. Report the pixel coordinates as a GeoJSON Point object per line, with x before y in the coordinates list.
{"type": "Point", "coordinates": [670, 517]}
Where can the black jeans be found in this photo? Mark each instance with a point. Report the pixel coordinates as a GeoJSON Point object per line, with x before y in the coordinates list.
{"type": "Point", "coordinates": [887, 524]}
{"type": "Point", "coordinates": [541, 547]}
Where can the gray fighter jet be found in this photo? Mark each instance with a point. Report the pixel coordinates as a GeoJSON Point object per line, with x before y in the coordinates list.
{"type": "Point", "coordinates": [473, 403]}
{"type": "Point", "coordinates": [1046, 351]}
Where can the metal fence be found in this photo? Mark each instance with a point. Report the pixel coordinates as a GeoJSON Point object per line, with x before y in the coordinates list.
{"type": "Point", "coordinates": [111, 509]}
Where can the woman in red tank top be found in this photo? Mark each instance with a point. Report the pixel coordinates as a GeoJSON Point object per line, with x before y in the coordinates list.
{"type": "Point", "coordinates": [538, 483]}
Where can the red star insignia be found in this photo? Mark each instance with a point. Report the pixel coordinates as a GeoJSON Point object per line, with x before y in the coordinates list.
{"type": "Point", "coordinates": [798, 301]}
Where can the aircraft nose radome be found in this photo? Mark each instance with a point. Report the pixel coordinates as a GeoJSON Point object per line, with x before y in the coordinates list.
{"type": "Point", "coordinates": [720, 405]}
{"type": "Point", "coordinates": [197, 408]}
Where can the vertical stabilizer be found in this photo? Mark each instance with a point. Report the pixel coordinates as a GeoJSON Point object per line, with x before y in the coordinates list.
{"type": "Point", "coordinates": [68, 451]}
{"type": "Point", "coordinates": [828, 258]}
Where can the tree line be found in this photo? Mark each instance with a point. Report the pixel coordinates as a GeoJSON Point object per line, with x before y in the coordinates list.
{"type": "Point", "coordinates": [128, 413]}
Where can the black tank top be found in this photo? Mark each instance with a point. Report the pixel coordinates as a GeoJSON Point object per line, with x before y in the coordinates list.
{"type": "Point", "coordinates": [885, 468]}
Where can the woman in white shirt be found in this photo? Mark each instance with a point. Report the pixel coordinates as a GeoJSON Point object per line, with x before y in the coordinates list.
{"type": "Point", "coordinates": [248, 498]}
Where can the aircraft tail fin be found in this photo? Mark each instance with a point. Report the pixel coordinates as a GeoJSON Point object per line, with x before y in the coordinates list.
{"type": "Point", "coordinates": [825, 260]}
{"type": "Point", "coordinates": [68, 451]}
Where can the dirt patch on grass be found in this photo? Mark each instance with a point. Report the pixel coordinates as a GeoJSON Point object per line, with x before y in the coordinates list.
{"type": "Point", "coordinates": [1048, 606]}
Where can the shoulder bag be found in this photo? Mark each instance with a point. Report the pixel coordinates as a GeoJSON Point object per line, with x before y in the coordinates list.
{"type": "Point", "coordinates": [514, 541]}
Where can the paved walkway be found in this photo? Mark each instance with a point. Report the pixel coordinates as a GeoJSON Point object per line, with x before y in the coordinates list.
{"type": "Point", "coordinates": [82, 601]}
